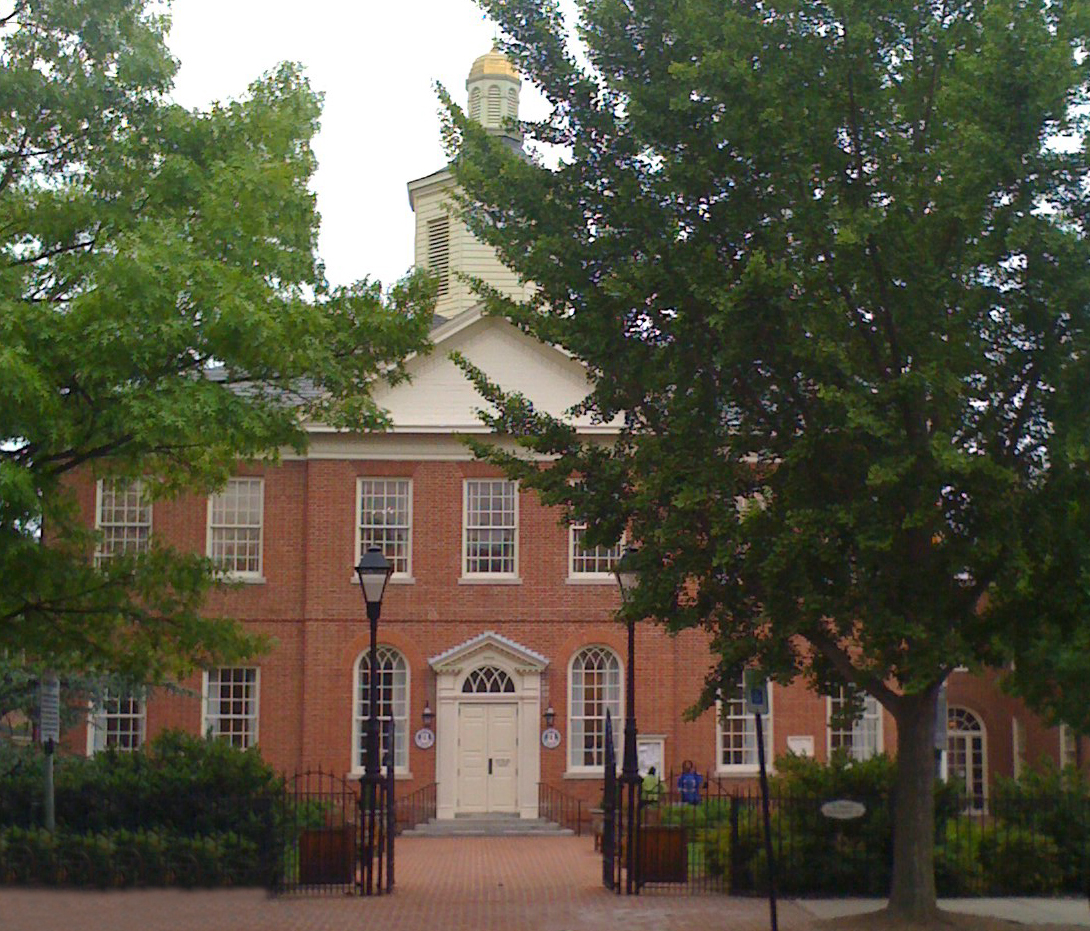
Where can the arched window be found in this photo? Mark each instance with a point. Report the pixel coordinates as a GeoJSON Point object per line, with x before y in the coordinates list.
{"type": "Point", "coordinates": [488, 680]}
{"type": "Point", "coordinates": [966, 759]}
{"type": "Point", "coordinates": [393, 704]}
{"type": "Point", "coordinates": [493, 118]}
{"type": "Point", "coordinates": [594, 685]}
{"type": "Point", "coordinates": [475, 104]}
{"type": "Point", "coordinates": [513, 103]}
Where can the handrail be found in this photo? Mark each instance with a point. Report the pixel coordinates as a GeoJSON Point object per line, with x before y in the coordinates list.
{"type": "Point", "coordinates": [555, 805]}
{"type": "Point", "coordinates": [416, 807]}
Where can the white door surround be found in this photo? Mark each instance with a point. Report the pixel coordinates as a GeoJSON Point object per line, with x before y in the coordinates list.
{"type": "Point", "coordinates": [487, 721]}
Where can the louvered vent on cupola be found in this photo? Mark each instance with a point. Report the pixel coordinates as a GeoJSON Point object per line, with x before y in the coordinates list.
{"type": "Point", "coordinates": [475, 104]}
{"type": "Point", "coordinates": [439, 251]}
{"type": "Point", "coordinates": [493, 119]}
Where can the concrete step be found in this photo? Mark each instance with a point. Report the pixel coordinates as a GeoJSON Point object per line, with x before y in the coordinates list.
{"type": "Point", "coordinates": [489, 825]}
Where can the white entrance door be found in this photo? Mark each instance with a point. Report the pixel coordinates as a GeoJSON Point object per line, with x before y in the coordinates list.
{"type": "Point", "coordinates": [487, 757]}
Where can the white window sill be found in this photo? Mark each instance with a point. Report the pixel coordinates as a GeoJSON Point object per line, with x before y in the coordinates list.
{"type": "Point", "coordinates": [398, 775]}
{"type": "Point", "coordinates": [740, 771]}
{"type": "Point", "coordinates": [589, 579]}
{"type": "Point", "coordinates": [584, 774]}
{"type": "Point", "coordinates": [490, 580]}
{"type": "Point", "coordinates": [394, 580]}
{"type": "Point", "coordinates": [241, 577]}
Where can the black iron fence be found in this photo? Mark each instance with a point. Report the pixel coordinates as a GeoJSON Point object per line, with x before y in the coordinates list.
{"type": "Point", "coordinates": [559, 807]}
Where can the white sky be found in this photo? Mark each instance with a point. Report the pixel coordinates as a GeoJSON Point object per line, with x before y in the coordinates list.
{"type": "Point", "coordinates": [376, 63]}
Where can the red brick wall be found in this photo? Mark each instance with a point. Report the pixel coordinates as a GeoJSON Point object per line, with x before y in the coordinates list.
{"type": "Point", "coordinates": [309, 602]}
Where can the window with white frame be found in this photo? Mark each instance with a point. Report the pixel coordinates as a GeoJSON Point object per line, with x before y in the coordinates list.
{"type": "Point", "coordinates": [736, 733]}
{"type": "Point", "coordinates": [595, 562]}
{"type": "Point", "coordinates": [385, 520]}
{"type": "Point", "coordinates": [1068, 747]}
{"type": "Point", "coordinates": [119, 722]}
{"type": "Point", "coordinates": [234, 527]}
{"type": "Point", "coordinates": [392, 693]}
{"type": "Point", "coordinates": [122, 518]}
{"type": "Point", "coordinates": [490, 528]}
{"type": "Point", "coordinates": [594, 687]}
{"type": "Point", "coordinates": [862, 737]}
{"type": "Point", "coordinates": [230, 704]}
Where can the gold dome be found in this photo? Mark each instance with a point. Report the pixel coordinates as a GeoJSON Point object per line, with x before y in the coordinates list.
{"type": "Point", "coordinates": [493, 64]}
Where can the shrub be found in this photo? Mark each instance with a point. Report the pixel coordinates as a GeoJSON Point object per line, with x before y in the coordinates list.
{"type": "Point", "coordinates": [1018, 862]}
{"type": "Point", "coordinates": [957, 862]}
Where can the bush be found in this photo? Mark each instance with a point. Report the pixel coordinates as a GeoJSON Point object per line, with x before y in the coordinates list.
{"type": "Point", "coordinates": [957, 862]}
{"type": "Point", "coordinates": [1017, 862]}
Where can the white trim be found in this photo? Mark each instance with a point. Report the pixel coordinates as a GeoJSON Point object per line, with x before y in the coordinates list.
{"type": "Point", "coordinates": [587, 577]}
{"type": "Point", "coordinates": [256, 717]}
{"type": "Point", "coordinates": [401, 577]}
{"type": "Point", "coordinates": [99, 487]}
{"type": "Point", "coordinates": [403, 732]}
{"type": "Point", "coordinates": [879, 727]}
{"type": "Point", "coordinates": [251, 576]}
{"type": "Point", "coordinates": [577, 771]}
{"type": "Point", "coordinates": [97, 718]}
{"type": "Point", "coordinates": [489, 576]}
{"type": "Point", "coordinates": [745, 769]}
{"type": "Point", "coordinates": [983, 755]}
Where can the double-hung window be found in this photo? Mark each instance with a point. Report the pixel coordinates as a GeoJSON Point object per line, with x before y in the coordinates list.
{"type": "Point", "coordinates": [122, 518]}
{"type": "Point", "coordinates": [862, 737]}
{"type": "Point", "coordinates": [490, 529]}
{"type": "Point", "coordinates": [118, 723]}
{"type": "Point", "coordinates": [385, 520]}
{"type": "Point", "coordinates": [234, 527]}
{"type": "Point", "coordinates": [230, 704]}
{"type": "Point", "coordinates": [593, 563]}
{"type": "Point", "coordinates": [736, 733]}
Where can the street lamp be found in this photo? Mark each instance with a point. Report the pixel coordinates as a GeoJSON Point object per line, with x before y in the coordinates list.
{"type": "Point", "coordinates": [628, 579]}
{"type": "Point", "coordinates": [374, 572]}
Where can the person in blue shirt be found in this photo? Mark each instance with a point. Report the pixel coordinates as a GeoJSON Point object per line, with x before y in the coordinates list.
{"type": "Point", "coordinates": [688, 784]}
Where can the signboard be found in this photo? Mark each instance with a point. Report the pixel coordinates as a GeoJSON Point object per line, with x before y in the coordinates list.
{"type": "Point", "coordinates": [424, 738]}
{"type": "Point", "coordinates": [49, 721]}
{"type": "Point", "coordinates": [801, 745]}
{"type": "Point", "coordinates": [843, 809]}
{"type": "Point", "coordinates": [755, 689]}
{"type": "Point", "coordinates": [550, 738]}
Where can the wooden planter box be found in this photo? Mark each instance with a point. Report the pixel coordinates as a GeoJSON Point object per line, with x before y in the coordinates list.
{"type": "Point", "coordinates": [327, 855]}
{"type": "Point", "coordinates": [663, 854]}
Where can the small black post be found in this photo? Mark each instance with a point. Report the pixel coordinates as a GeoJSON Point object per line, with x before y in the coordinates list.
{"type": "Point", "coordinates": [735, 858]}
{"type": "Point", "coordinates": [767, 820]}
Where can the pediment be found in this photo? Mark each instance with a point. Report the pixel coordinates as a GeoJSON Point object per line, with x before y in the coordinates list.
{"type": "Point", "coordinates": [486, 649]}
{"type": "Point", "coordinates": [439, 398]}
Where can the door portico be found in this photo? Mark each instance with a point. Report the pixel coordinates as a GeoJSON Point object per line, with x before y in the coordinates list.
{"type": "Point", "coordinates": [487, 751]}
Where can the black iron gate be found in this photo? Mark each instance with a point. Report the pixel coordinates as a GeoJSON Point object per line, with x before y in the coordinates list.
{"type": "Point", "coordinates": [610, 864]}
{"type": "Point", "coordinates": [337, 835]}
{"type": "Point", "coordinates": [622, 837]}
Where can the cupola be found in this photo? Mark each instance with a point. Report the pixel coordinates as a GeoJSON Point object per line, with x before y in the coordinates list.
{"type": "Point", "coordinates": [493, 85]}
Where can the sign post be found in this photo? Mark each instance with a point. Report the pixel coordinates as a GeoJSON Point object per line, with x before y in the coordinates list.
{"type": "Point", "coordinates": [49, 731]}
{"type": "Point", "coordinates": [755, 687]}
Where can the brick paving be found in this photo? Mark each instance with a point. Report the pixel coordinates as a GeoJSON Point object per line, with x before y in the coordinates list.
{"type": "Point", "coordinates": [443, 884]}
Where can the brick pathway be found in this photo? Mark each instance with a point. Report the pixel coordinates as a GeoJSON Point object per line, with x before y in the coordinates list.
{"type": "Point", "coordinates": [443, 884]}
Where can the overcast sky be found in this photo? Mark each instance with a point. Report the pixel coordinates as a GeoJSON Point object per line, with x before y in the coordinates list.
{"type": "Point", "coordinates": [376, 63]}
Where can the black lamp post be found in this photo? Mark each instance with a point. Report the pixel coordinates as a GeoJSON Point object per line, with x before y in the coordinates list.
{"type": "Point", "coordinates": [628, 579]}
{"type": "Point", "coordinates": [374, 572]}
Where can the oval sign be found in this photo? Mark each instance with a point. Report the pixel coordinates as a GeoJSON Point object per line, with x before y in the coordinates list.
{"type": "Point", "coordinates": [550, 738]}
{"type": "Point", "coordinates": [424, 738]}
{"type": "Point", "coordinates": [843, 809]}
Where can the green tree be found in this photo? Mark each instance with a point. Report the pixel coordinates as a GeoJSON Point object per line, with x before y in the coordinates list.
{"type": "Point", "coordinates": [827, 262]}
{"type": "Point", "coordinates": [163, 314]}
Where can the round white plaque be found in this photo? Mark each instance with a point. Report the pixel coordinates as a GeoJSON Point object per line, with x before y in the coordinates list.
{"type": "Point", "coordinates": [424, 738]}
{"type": "Point", "coordinates": [550, 738]}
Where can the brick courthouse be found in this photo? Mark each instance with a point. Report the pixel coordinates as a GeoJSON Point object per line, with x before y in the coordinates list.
{"type": "Point", "coordinates": [494, 614]}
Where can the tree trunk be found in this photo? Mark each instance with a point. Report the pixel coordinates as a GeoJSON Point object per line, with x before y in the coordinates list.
{"type": "Point", "coordinates": [912, 894]}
